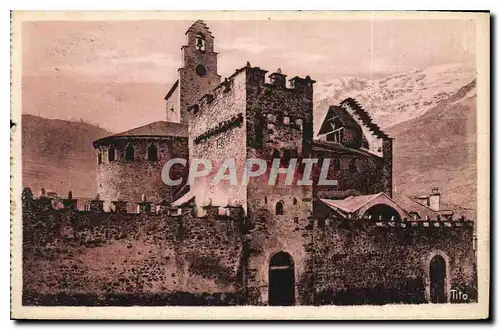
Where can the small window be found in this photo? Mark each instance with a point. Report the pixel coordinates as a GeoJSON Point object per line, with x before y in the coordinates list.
{"type": "Point", "coordinates": [271, 118]}
{"type": "Point", "coordinates": [299, 123]}
{"type": "Point", "coordinates": [265, 199]}
{"type": "Point", "coordinates": [276, 154]}
{"type": "Point", "coordinates": [294, 201]}
{"type": "Point", "coordinates": [99, 157]}
{"type": "Point", "coordinates": [152, 152]}
{"type": "Point", "coordinates": [279, 208]}
{"type": "Point", "coordinates": [353, 165]}
{"type": "Point", "coordinates": [286, 120]}
{"type": "Point", "coordinates": [129, 152]}
{"type": "Point", "coordinates": [111, 153]}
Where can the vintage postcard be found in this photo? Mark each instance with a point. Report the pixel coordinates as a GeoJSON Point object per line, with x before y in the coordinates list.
{"type": "Point", "coordinates": [263, 165]}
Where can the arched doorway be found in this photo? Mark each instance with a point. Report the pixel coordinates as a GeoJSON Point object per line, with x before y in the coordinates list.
{"type": "Point", "coordinates": [382, 212]}
{"type": "Point", "coordinates": [437, 276]}
{"type": "Point", "coordinates": [281, 280]}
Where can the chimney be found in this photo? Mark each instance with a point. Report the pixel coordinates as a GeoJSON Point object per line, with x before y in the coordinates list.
{"type": "Point", "coordinates": [278, 79]}
{"type": "Point", "coordinates": [434, 199]}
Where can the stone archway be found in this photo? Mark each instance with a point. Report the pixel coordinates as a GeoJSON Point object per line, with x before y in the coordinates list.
{"type": "Point", "coordinates": [281, 280]}
{"type": "Point", "coordinates": [382, 212]}
{"type": "Point", "coordinates": [437, 277]}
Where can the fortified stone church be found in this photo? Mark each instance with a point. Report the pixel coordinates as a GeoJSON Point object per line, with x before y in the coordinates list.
{"type": "Point", "coordinates": [349, 243]}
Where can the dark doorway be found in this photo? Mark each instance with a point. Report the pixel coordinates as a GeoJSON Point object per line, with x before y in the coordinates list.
{"type": "Point", "coordinates": [281, 280]}
{"type": "Point", "coordinates": [437, 274]}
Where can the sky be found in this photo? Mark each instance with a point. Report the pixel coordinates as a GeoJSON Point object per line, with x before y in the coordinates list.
{"type": "Point", "coordinates": [116, 73]}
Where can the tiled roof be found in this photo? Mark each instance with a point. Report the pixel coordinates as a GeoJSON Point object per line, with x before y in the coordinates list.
{"type": "Point", "coordinates": [350, 204]}
{"type": "Point", "coordinates": [411, 205]}
{"type": "Point", "coordinates": [155, 129]}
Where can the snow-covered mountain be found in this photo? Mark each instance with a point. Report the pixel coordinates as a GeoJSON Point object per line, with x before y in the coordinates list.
{"type": "Point", "coordinates": [396, 98]}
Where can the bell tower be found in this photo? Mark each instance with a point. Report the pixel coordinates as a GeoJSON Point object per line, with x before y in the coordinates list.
{"type": "Point", "coordinates": [198, 74]}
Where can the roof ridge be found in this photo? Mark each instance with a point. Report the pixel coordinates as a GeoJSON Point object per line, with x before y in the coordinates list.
{"type": "Point", "coordinates": [364, 116]}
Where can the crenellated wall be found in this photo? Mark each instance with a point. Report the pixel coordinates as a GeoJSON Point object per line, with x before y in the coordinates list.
{"type": "Point", "coordinates": [98, 258]}
{"type": "Point", "coordinates": [100, 255]}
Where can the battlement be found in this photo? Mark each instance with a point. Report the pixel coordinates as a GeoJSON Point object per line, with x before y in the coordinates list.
{"type": "Point", "coordinates": [144, 207]}
{"type": "Point", "coordinates": [255, 78]}
{"type": "Point", "coordinates": [459, 224]}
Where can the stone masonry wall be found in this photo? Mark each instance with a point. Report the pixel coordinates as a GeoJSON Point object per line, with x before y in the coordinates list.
{"type": "Point", "coordinates": [364, 177]}
{"type": "Point", "coordinates": [216, 133]}
{"type": "Point", "coordinates": [131, 179]}
{"type": "Point", "coordinates": [355, 264]}
{"type": "Point", "coordinates": [94, 258]}
{"type": "Point", "coordinates": [99, 258]}
{"type": "Point", "coordinates": [279, 125]}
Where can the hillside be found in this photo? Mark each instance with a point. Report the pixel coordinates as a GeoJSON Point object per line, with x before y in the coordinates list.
{"type": "Point", "coordinates": [439, 149]}
{"type": "Point", "coordinates": [58, 155]}
{"type": "Point", "coordinates": [397, 98]}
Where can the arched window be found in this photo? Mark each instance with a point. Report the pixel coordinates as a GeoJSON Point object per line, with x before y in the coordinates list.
{"type": "Point", "coordinates": [152, 152]}
{"type": "Point", "coordinates": [129, 152]}
{"type": "Point", "coordinates": [265, 199]}
{"type": "Point", "coordinates": [111, 153]}
{"type": "Point", "coordinates": [279, 208]}
{"type": "Point", "coordinates": [353, 165]}
{"type": "Point", "coordinates": [200, 42]}
{"type": "Point", "coordinates": [276, 154]}
{"type": "Point", "coordinates": [99, 156]}
{"type": "Point", "coordinates": [294, 201]}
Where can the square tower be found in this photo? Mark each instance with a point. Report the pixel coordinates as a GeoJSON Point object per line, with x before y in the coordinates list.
{"type": "Point", "coordinates": [198, 74]}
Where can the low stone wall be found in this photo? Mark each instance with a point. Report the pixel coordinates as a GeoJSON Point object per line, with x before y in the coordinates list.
{"type": "Point", "coordinates": [94, 255]}
{"type": "Point", "coordinates": [353, 263]}
{"type": "Point", "coordinates": [97, 258]}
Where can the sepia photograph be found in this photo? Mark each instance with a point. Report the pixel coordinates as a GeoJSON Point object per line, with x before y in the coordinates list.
{"type": "Point", "coordinates": [336, 163]}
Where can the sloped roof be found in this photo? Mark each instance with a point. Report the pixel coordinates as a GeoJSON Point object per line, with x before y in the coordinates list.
{"type": "Point", "coordinates": [360, 204]}
{"type": "Point", "coordinates": [350, 204]}
{"type": "Point", "coordinates": [172, 89]}
{"type": "Point", "coordinates": [365, 117]}
{"type": "Point", "coordinates": [155, 129]}
{"type": "Point", "coordinates": [411, 205]}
